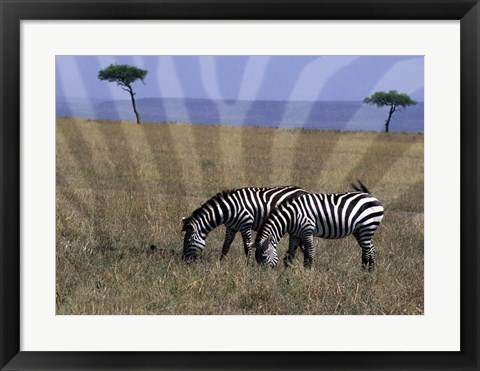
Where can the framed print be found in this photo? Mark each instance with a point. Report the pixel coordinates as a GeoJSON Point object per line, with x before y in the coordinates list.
{"type": "Point", "coordinates": [156, 155]}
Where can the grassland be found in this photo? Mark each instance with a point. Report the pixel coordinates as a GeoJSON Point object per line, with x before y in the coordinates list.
{"type": "Point", "coordinates": [123, 187]}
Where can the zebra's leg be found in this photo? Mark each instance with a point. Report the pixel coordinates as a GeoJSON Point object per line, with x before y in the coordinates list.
{"type": "Point", "coordinates": [369, 254]}
{"type": "Point", "coordinates": [247, 239]}
{"type": "Point", "coordinates": [307, 242]}
{"type": "Point", "coordinates": [293, 244]}
{"type": "Point", "coordinates": [229, 237]}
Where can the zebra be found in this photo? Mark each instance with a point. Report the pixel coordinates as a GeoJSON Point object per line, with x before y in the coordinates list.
{"type": "Point", "coordinates": [329, 216]}
{"type": "Point", "coordinates": [241, 210]}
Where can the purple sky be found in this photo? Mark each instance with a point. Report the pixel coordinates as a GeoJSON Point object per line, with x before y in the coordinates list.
{"type": "Point", "coordinates": [290, 78]}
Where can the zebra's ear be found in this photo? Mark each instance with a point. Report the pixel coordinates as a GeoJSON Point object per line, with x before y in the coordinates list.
{"type": "Point", "coordinates": [266, 243]}
{"type": "Point", "coordinates": [187, 227]}
{"type": "Point", "coordinates": [184, 224]}
{"type": "Point", "coordinates": [269, 240]}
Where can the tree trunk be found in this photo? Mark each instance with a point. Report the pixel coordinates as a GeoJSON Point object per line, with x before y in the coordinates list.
{"type": "Point", "coordinates": [387, 123]}
{"type": "Point", "coordinates": [132, 95]}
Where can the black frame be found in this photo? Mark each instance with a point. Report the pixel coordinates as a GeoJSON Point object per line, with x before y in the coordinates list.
{"type": "Point", "coordinates": [13, 11]}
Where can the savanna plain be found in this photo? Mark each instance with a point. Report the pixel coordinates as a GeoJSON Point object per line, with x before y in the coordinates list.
{"type": "Point", "coordinates": [122, 189]}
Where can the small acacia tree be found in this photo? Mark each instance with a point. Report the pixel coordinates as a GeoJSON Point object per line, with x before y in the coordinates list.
{"type": "Point", "coordinates": [124, 75]}
{"type": "Point", "coordinates": [392, 99]}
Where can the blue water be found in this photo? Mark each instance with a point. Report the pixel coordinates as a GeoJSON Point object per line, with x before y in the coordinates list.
{"type": "Point", "coordinates": [322, 115]}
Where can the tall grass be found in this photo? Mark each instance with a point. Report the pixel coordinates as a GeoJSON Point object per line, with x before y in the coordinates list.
{"type": "Point", "coordinates": [122, 188]}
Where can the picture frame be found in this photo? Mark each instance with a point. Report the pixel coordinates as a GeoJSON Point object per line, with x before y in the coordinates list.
{"type": "Point", "coordinates": [12, 13]}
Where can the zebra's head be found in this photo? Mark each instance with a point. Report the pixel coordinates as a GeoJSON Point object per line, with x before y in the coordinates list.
{"type": "Point", "coordinates": [266, 253]}
{"type": "Point", "coordinates": [193, 242]}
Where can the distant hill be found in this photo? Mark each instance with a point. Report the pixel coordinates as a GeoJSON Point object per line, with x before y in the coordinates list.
{"type": "Point", "coordinates": [323, 115]}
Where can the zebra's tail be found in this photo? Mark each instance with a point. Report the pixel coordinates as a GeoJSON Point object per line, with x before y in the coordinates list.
{"type": "Point", "coordinates": [362, 187]}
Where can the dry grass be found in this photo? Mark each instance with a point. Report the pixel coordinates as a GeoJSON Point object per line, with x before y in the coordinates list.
{"type": "Point", "coordinates": [122, 187]}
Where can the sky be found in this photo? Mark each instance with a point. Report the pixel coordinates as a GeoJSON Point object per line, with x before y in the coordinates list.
{"type": "Point", "coordinates": [281, 78]}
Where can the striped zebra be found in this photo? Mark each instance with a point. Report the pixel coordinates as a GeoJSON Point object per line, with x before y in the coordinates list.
{"type": "Point", "coordinates": [329, 216]}
{"type": "Point", "coordinates": [241, 210]}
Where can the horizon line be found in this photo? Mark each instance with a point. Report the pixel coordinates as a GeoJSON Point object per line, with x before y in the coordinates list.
{"type": "Point", "coordinates": [216, 99]}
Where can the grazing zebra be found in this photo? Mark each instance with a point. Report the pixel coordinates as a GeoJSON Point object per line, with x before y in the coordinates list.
{"type": "Point", "coordinates": [241, 210]}
{"type": "Point", "coordinates": [321, 215]}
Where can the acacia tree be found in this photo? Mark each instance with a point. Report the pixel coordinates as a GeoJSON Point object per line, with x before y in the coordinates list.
{"type": "Point", "coordinates": [392, 99]}
{"type": "Point", "coordinates": [124, 75]}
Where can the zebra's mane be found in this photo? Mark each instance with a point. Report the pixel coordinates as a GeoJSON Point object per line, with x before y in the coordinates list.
{"type": "Point", "coordinates": [211, 201]}
{"type": "Point", "coordinates": [273, 212]}
{"type": "Point", "coordinates": [219, 197]}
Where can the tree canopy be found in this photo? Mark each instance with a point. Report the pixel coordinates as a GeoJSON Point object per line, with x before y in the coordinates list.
{"type": "Point", "coordinates": [392, 99]}
{"type": "Point", "coordinates": [124, 75]}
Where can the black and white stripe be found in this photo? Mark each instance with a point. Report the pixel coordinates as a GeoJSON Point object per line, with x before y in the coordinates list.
{"type": "Point", "coordinates": [329, 216]}
{"type": "Point", "coordinates": [241, 210]}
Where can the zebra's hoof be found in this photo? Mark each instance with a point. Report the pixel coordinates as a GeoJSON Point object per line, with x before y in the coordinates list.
{"type": "Point", "coordinates": [308, 264]}
{"type": "Point", "coordinates": [287, 262]}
